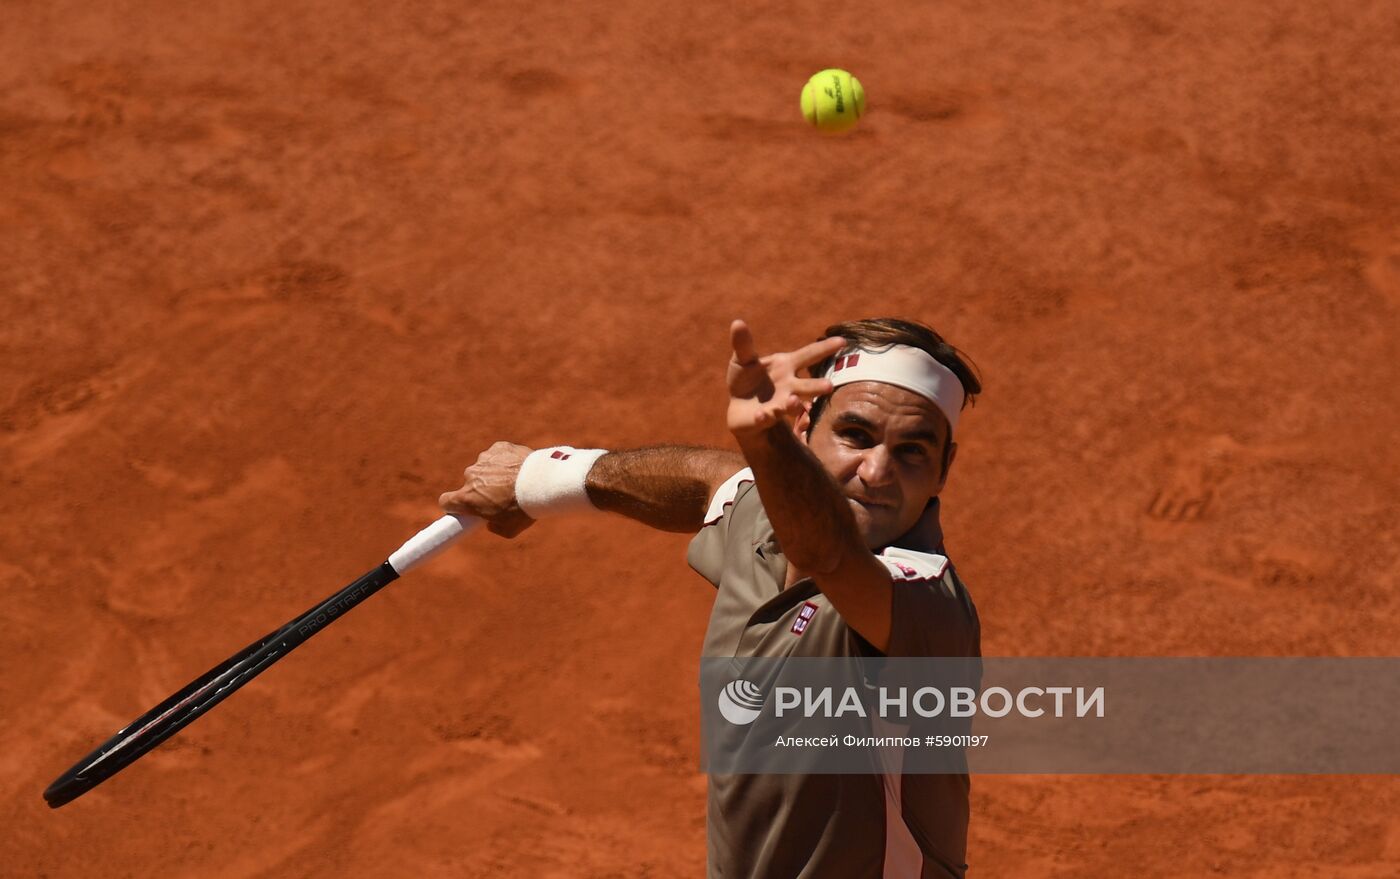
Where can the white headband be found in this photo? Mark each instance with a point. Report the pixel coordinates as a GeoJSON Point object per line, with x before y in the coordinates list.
{"type": "Point", "coordinates": [903, 366]}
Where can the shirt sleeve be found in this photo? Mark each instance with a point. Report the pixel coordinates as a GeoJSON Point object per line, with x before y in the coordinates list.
{"type": "Point", "coordinates": [932, 613]}
{"type": "Point", "coordinates": [706, 552]}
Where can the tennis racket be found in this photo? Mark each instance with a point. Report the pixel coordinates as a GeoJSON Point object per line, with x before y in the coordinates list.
{"type": "Point", "coordinates": [220, 682]}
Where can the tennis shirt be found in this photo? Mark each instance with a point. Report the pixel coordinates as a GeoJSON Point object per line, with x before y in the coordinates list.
{"type": "Point", "coordinates": [826, 826]}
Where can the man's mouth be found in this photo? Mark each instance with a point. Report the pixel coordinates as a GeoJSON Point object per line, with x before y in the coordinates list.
{"type": "Point", "coordinates": [867, 502]}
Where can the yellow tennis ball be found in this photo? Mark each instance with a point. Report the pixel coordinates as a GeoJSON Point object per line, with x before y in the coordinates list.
{"type": "Point", "coordinates": [833, 100]}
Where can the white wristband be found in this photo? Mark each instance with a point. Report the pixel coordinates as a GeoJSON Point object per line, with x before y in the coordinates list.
{"type": "Point", "coordinates": [552, 481]}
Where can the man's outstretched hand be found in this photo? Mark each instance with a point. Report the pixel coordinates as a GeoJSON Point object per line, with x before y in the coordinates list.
{"type": "Point", "coordinates": [767, 391]}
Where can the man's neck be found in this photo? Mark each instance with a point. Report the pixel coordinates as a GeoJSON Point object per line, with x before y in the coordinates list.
{"type": "Point", "coordinates": [792, 576]}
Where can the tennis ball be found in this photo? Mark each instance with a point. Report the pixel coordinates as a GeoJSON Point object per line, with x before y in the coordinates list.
{"type": "Point", "coordinates": [833, 100]}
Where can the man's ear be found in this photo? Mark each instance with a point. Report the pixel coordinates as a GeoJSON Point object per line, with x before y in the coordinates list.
{"type": "Point", "coordinates": [952, 453]}
{"type": "Point", "coordinates": [803, 422]}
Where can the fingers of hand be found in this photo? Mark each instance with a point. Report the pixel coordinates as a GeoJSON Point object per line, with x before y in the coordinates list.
{"type": "Point", "coordinates": [811, 388]}
{"type": "Point", "coordinates": [452, 503]}
{"type": "Point", "coordinates": [477, 496]}
{"type": "Point", "coordinates": [776, 412]}
{"type": "Point", "coordinates": [776, 409]}
{"type": "Point", "coordinates": [741, 340]}
{"type": "Point", "coordinates": [810, 355]}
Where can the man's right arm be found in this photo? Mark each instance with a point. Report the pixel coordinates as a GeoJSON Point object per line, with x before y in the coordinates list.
{"type": "Point", "coordinates": [666, 487]}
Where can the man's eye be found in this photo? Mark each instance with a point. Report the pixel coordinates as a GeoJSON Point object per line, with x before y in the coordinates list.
{"type": "Point", "coordinates": [916, 451]}
{"type": "Point", "coordinates": [858, 437]}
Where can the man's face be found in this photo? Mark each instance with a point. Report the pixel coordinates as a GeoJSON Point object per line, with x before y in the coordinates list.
{"type": "Point", "coordinates": [884, 447]}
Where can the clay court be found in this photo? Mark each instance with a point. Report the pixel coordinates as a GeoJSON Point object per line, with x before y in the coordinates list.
{"type": "Point", "coordinates": [274, 273]}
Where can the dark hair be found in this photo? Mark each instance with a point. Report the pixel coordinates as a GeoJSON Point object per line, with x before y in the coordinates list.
{"type": "Point", "coordinates": [883, 332]}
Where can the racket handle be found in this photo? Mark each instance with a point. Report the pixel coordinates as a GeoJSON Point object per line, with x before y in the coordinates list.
{"type": "Point", "coordinates": [430, 541]}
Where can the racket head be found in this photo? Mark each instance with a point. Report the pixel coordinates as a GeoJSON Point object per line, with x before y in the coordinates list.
{"type": "Point", "coordinates": [206, 691]}
{"type": "Point", "coordinates": [156, 725]}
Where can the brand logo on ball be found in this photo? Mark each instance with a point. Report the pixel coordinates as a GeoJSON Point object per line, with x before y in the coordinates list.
{"type": "Point", "coordinates": [740, 702]}
{"type": "Point", "coordinates": [836, 95]}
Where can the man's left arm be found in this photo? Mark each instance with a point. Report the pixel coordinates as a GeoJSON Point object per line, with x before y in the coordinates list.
{"type": "Point", "coordinates": [812, 521]}
{"type": "Point", "coordinates": [818, 532]}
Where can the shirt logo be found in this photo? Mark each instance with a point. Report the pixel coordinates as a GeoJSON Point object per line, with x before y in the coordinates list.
{"type": "Point", "coordinates": [558, 455]}
{"type": "Point", "coordinates": [804, 617]}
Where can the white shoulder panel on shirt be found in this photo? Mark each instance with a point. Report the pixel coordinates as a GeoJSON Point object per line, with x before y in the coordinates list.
{"type": "Point", "coordinates": [726, 495]}
{"type": "Point", "coordinates": [908, 565]}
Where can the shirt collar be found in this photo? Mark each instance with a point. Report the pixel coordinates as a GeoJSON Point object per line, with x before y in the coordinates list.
{"type": "Point", "coordinates": [925, 536]}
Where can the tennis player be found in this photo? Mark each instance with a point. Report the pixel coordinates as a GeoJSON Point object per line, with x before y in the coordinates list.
{"type": "Point", "coordinates": [822, 538]}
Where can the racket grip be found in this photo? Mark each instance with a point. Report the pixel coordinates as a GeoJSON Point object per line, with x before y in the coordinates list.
{"type": "Point", "coordinates": [430, 541]}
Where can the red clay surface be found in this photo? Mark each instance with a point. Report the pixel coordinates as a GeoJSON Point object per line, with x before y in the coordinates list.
{"type": "Point", "coordinates": [274, 273]}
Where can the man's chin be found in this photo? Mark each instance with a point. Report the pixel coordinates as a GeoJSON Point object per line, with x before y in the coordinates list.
{"type": "Point", "coordinates": [868, 521]}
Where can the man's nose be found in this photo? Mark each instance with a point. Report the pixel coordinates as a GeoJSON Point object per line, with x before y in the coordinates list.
{"type": "Point", "coordinates": [876, 466]}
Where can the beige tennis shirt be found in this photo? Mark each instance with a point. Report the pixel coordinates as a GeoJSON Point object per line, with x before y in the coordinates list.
{"type": "Point", "coordinates": [785, 826]}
